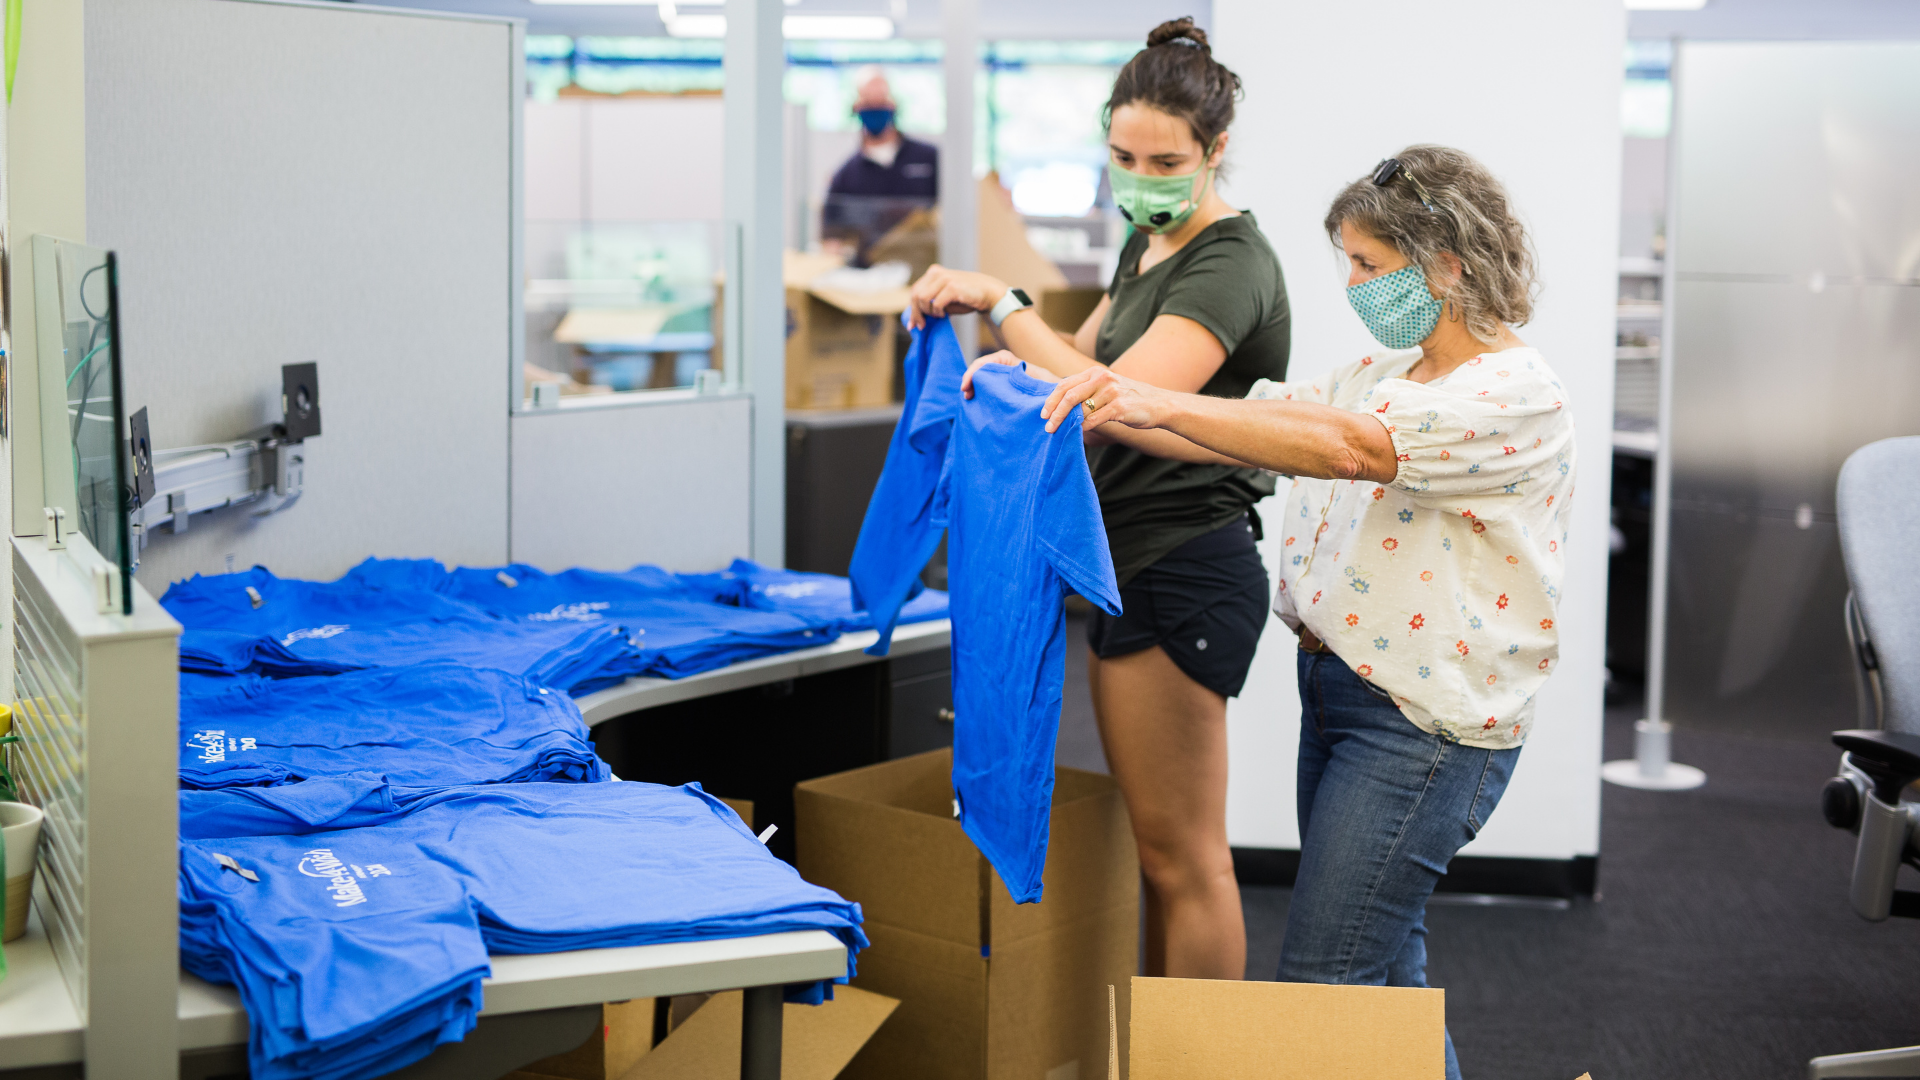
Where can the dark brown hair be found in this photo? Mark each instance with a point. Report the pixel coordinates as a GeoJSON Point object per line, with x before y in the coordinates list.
{"type": "Point", "coordinates": [1471, 219]}
{"type": "Point", "coordinates": [1177, 74]}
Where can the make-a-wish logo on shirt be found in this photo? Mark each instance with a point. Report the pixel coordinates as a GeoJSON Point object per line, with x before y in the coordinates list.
{"type": "Point", "coordinates": [315, 633]}
{"type": "Point", "coordinates": [587, 612]}
{"type": "Point", "coordinates": [215, 745]}
{"type": "Point", "coordinates": [343, 879]}
{"type": "Point", "coordinates": [791, 591]}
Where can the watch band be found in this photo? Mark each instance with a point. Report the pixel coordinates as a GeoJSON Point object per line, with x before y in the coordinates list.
{"type": "Point", "coordinates": [1013, 301]}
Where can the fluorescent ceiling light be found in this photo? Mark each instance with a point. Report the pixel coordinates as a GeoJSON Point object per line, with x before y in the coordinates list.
{"type": "Point", "coordinates": [800, 27]}
{"type": "Point", "coordinates": [839, 27]}
{"type": "Point", "coordinates": [696, 26]}
{"type": "Point", "coordinates": [1665, 5]}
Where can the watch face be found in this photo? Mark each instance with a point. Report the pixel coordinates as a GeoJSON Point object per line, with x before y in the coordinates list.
{"type": "Point", "coordinates": [1021, 295]}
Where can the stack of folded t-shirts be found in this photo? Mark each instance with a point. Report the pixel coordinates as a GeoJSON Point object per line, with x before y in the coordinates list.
{"type": "Point", "coordinates": [824, 597]}
{"type": "Point", "coordinates": [358, 950]}
{"type": "Point", "coordinates": [256, 622]}
{"type": "Point", "coordinates": [427, 726]}
{"type": "Point", "coordinates": [676, 630]}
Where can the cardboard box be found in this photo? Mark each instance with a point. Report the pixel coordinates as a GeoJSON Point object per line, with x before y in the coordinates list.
{"type": "Point", "coordinates": [1200, 1029]}
{"type": "Point", "coordinates": [840, 342]}
{"type": "Point", "coordinates": [1005, 252]}
{"type": "Point", "coordinates": [816, 1041]}
{"type": "Point", "coordinates": [1066, 307]}
{"type": "Point", "coordinates": [987, 988]}
{"type": "Point", "coordinates": [625, 1036]}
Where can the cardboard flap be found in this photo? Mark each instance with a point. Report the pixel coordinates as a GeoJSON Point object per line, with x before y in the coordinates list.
{"type": "Point", "coordinates": [1199, 1029]}
{"type": "Point", "coordinates": [874, 302]}
{"type": "Point", "coordinates": [1005, 252]}
{"type": "Point", "coordinates": [884, 837]}
{"type": "Point", "coordinates": [816, 1041]}
{"type": "Point", "coordinates": [613, 326]}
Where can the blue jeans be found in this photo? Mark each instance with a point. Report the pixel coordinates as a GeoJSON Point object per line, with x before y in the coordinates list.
{"type": "Point", "coordinates": [1383, 808]}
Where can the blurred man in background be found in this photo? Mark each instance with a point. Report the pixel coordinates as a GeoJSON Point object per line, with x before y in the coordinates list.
{"type": "Point", "coordinates": [886, 181]}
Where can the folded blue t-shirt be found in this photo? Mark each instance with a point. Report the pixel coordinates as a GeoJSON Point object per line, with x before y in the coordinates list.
{"type": "Point", "coordinates": [429, 725]}
{"type": "Point", "coordinates": [1024, 530]}
{"type": "Point", "coordinates": [324, 628]}
{"type": "Point", "coordinates": [811, 596]}
{"type": "Point", "coordinates": [287, 605]}
{"type": "Point", "coordinates": [903, 524]}
{"type": "Point", "coordinates": [675, 631]}
{"type": "Point", "coordinates": [344, 933]}
{"type": "Point", "coordinates": [347, 969]}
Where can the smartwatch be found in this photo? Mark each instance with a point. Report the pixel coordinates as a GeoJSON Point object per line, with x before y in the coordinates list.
{"type": "Point", "coordinates": [1010, 303]}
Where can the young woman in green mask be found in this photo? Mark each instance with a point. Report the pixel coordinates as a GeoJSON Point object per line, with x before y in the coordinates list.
{"type": "Point", "coordinates": [1197, 305]}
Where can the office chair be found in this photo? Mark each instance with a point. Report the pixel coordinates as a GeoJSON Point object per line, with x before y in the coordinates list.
{"type": "Point", "coordinates": [1879, 515]}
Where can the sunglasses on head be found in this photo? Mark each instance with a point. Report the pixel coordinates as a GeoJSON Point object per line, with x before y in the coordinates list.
{"type": "Point", "coordinates": [1385, 172]}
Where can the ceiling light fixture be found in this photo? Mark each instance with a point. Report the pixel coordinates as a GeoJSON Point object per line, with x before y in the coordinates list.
{"type": "Point", "coordinates": [1665, 5]}
{"type": "Point", "coordinates": [796, 27]}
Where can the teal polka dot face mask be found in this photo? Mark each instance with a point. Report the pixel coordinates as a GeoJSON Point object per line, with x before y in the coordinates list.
{"type": "Point", "coordinates": [1397, 308]}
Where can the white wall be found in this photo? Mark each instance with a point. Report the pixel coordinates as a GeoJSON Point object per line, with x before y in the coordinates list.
{"type": "Point", "coordinates": [1532, 90]}
{"type": "Point", "coordinates": [624, 159]}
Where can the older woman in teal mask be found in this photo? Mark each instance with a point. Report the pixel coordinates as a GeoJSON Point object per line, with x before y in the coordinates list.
{"type": "Point", "coordinates": [1422, 546]}
{"type": "Point", "coordinates": [1197, 304]}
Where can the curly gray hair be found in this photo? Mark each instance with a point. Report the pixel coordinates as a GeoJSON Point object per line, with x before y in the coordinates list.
{"type": "Point", "coordinates": [1470, 219]}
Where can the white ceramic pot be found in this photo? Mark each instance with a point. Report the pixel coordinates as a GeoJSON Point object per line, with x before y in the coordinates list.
{"type": "Point", "coordinates": [20, 826]}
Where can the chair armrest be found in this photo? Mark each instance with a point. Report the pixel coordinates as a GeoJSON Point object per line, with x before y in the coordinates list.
{"type": "Point", "coordinates": [1891, 758]}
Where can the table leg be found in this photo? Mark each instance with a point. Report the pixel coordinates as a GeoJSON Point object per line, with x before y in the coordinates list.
{"type": "Point", "coordinates": [760, 1017]}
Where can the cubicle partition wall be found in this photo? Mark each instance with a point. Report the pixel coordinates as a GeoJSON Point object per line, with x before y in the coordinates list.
{"type": "Point", "coordinates": [1546, 121]}
{"type": "Point", "coordinates": [1794, 251]}
{"type": "Point", "coordinates": [316, 182]}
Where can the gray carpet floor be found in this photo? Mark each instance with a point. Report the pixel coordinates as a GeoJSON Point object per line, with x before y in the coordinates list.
{"type": "Point", "coordinates": [1721, 944]}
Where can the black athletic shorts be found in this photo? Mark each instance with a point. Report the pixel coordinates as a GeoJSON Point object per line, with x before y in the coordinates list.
{"type": "Point", "coordinates": [1205, 602]}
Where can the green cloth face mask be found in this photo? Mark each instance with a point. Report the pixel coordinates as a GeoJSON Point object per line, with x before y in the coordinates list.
{"type": "Point", "coordinates": [1158, 204]}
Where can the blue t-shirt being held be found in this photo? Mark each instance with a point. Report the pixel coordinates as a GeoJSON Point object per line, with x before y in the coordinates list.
{"type": "Point", "coordinates": [1024, 530]}
{"type": "Point", "coordinates": [903, 523]}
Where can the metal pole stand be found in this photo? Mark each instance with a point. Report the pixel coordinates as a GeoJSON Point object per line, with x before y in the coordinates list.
{"type": "Point", "coordinates": [1652, 767]}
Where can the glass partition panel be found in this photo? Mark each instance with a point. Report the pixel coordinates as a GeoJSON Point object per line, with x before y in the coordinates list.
{"type": "Point", "coordinates": [621, 305]}
{"type": "Point", "coordinates": [82, 422]}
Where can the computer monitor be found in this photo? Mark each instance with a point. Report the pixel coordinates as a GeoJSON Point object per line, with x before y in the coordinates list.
{"type": "Point", "coordinates": [83, 423]}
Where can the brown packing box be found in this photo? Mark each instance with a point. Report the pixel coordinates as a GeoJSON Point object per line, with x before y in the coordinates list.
{"type": "Point", "coordinates": [1065, 308]}
{"type": "Point", "coordinates": [987, 988]}
{"type": "Point", "coordinates": [840, 343]}
{"type": "Point", "coordinates": [625, 1036]}
{"type": "Point", "coordinates": [816, 1041]}
{"type": "Point", "coordinates": [1201, 1029]}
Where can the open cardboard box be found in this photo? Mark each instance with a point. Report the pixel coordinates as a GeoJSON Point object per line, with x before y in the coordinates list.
{"type": "Point", "coordinates": [1202, 1029]}
{"type": "Point", "coordinates": [987, 988]}
{"type": "Point", "coordinates": [816, 1041]}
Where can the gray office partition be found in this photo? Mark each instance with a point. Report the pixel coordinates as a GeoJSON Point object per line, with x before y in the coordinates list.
{"type": "Point", "coordinates": [336, 183]}
{"type": "Point", "coordinates": [664, 477]}
{"type": "Point", "coordinates": [1795, 339]}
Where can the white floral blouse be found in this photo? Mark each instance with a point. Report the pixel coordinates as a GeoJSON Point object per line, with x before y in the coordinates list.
{"type": "Point", "coordinates": [1441, 587]}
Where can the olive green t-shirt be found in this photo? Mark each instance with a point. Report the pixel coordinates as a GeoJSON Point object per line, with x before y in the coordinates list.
{"type": "Point", "coordinates": [1228, 280]}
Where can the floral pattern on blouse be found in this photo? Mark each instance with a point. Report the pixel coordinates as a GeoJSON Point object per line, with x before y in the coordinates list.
{"type": "Point", "coordinates": [1440, 588]}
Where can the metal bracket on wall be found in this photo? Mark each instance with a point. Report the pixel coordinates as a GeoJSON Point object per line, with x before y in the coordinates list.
{"type": "Point", "coordinates": [265, 469]}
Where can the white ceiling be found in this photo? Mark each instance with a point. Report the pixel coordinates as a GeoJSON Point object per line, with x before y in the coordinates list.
{"type": "Point", "coordinates": [1127, 20]}
{"type": "Point", "coordinates": [1053, 20]}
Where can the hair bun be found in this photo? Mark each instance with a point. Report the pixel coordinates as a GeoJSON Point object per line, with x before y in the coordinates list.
{"type": "Point", "coordinates": [1179, 31]}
